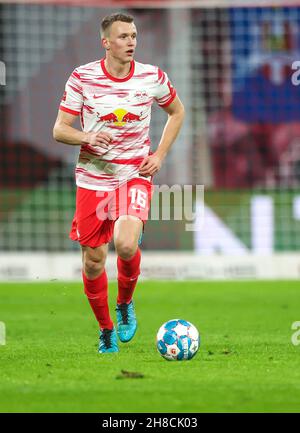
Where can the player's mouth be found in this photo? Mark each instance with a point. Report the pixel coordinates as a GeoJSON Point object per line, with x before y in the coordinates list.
{"type": "Point", "coordinates": [130, 52]}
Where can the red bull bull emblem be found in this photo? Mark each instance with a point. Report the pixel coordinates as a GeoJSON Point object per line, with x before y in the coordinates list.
{"type": "Point", "coordinates": [120, 117]}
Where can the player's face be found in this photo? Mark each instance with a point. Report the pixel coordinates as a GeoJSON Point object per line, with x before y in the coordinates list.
{"type": "Point", "coordinates": [121, 41]}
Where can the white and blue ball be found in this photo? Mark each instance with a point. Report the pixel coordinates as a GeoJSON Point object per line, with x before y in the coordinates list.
{"type": "Point", "coordinates": [178, 340]}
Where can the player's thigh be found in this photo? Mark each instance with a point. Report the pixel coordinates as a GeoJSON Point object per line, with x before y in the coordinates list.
{"type": "Point", "coordinates": [94, 258]}
{"type": "Point", "coordinates": [127, 231]}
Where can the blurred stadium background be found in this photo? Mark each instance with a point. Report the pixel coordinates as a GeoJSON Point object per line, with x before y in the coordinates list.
{"type": "Point", "coordinates": [232, 63]}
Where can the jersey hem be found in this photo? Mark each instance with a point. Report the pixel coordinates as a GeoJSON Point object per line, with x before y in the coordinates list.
{"type": "Point", "coordinates": [103, 188]}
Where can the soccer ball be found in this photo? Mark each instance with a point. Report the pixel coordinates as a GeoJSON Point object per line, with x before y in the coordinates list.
{"type": "Point", "coordinates": [177, 340]}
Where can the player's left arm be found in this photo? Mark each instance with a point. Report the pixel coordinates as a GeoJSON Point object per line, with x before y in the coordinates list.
{"type": "Point", "coordinates": [152, 163]}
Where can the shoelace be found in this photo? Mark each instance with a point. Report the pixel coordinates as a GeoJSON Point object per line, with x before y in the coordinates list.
{"type": "Point", "coordinates": [106, 337]}
{"type": "Point", "coordinates": [123, 308]}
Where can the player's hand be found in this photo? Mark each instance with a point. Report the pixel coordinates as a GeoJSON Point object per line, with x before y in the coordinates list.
{"type": "Point", "coordinates": [150, 165]}
{"type": "Point", "coordinates": [99, 139]}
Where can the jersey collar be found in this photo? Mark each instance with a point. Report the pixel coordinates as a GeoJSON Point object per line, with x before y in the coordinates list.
{"type": "Point", "coordinates": [119, 80]}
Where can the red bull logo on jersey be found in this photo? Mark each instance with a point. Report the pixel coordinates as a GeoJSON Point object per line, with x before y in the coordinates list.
{"type": "Point", "coordinates": [141, 95]}
{"type": "Point", "coordinates": [120, 117]}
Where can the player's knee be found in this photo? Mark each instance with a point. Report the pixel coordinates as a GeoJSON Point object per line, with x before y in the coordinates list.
{"type": "Point", "coordinates": [93, 267]}
{"type": "Point", "coordinates": [126, 249]}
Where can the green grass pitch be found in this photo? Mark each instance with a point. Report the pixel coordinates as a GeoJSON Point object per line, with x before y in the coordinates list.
{"type": "Point", "coordinates": [246, 362]}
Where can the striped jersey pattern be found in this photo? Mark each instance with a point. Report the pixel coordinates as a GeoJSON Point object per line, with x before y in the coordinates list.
{"type": "Point", "coordinates": [121, 107]}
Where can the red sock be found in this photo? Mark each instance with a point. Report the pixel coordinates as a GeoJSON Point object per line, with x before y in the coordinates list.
{"type": "Point", "coordinates": [128, 273]}
{"type": "Point", "coordinates": [96, 292]}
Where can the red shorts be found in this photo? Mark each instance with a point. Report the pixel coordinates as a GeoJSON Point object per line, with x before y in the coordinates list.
{"type": "Point", "coordinates": [97, 211]}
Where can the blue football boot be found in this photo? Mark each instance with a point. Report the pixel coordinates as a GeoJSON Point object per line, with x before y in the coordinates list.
{"type": "Point", "coordinates": [126, 321]}
{"type": "Point", "coordinates": [108, 342]}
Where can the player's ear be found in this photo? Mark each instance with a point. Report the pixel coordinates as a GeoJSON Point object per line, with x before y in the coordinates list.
{"type": "Point", "coordinates": [105, 43]}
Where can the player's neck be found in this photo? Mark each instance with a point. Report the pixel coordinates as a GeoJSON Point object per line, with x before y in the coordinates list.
{"type": "Point", "coordinates": [117, 69]}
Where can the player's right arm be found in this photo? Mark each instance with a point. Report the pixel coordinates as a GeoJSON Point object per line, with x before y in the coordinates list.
{"type": "Point", "coordinates": [64, 132]}
{"type": "Point", "coordinates": [70, 107]}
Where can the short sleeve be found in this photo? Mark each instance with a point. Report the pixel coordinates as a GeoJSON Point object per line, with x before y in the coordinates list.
{"type": "Point", "coordinates": [72, 99]}
{"type": "Point", "coordinates": [165, 93]}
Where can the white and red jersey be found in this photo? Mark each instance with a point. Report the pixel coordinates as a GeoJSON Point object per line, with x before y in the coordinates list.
{"type": "Point", "coordinates": [121, 107]}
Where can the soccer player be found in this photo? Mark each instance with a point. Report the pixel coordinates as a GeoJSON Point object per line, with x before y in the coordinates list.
{"type": "Point", "coordinates": [115, 167]}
